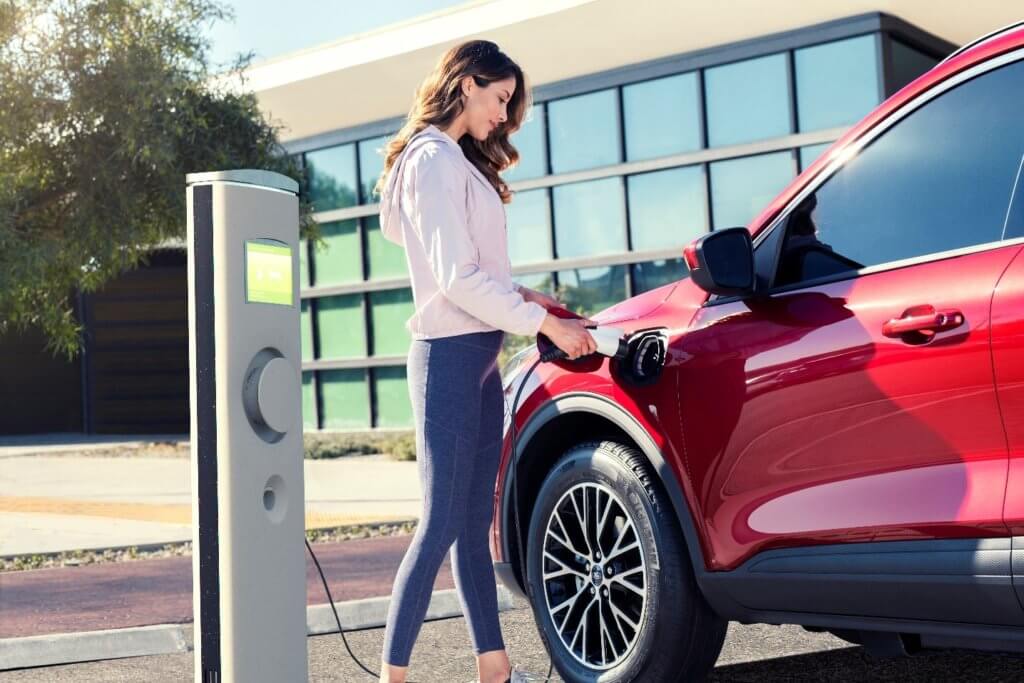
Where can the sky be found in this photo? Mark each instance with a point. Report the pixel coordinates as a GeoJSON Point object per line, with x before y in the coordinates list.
{"type": "Point", "coordinates": [262, 26]}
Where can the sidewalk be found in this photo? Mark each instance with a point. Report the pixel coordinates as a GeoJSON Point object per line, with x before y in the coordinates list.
{"type": "Point", "coordinates": [56, 500]}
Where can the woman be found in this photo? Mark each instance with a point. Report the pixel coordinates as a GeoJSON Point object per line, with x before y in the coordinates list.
{"type": "Point", "coordinates": [443, 200]}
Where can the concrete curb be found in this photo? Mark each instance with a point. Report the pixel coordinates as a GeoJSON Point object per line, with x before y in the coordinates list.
{"type": "Point", "coordinates": [90, 646]}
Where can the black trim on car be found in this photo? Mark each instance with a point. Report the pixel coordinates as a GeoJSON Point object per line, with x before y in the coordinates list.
{"type": "Point", "coordinates": [953, 581]}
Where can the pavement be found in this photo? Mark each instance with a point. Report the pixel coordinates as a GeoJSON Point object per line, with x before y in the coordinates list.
{"type": "Point", "coordinates": [59, 494]}
{"type": "Point", "coordinates": [443, 653]}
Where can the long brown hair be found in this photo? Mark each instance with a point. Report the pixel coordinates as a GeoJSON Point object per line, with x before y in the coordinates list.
{"type": "Point", "coordinates": [438, 101]}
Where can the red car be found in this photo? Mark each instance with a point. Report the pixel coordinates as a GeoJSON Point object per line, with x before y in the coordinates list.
{"type": "Point", "coordinates": [822, 425]}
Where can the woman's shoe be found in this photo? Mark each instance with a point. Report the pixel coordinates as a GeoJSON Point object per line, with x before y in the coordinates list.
{"type": "Point", "coordinates": [519, 676]}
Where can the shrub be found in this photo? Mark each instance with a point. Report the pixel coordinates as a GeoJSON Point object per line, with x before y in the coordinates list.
{"type": "Point", "coordinates": [326, 445]}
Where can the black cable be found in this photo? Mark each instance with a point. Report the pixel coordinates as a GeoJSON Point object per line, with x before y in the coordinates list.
{"type": "Point", "coordinates": [337, 619]}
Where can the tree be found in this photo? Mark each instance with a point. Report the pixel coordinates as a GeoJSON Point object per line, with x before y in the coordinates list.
{"type": "Point", "coordinates": [105, 105]}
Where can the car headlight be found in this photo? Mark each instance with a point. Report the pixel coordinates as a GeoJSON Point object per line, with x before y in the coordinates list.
{"type": "Point", "coordinates": [515, 365]}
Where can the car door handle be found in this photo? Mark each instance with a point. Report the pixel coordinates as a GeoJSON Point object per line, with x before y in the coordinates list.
{"type": "Point", "coordinates": [924, 320]}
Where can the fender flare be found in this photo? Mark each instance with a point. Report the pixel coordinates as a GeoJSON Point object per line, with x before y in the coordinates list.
{"type": "Point", "coordinates": [614, 413]}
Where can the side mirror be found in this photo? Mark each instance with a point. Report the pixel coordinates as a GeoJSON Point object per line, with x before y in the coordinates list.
{"type": "Point", "coordinates": [722, 262]}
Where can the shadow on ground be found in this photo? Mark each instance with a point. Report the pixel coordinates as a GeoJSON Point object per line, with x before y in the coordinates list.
{"type": "Point", "coordinates": [854, 664]}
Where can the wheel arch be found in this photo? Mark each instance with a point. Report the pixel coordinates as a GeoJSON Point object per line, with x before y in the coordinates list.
{"type": "Point", "coordinates": [556, 426]}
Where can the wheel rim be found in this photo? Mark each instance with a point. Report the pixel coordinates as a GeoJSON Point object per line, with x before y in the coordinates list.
{"type": "Point", "coordinates": [594, 575]}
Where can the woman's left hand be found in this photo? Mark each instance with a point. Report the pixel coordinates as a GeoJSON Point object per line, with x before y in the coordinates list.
{"type": "Point", "coordinates": [541, 298]}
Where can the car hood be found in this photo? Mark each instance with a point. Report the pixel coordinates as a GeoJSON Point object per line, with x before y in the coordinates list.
{"type": "Point", "coordinates": [635, 307]}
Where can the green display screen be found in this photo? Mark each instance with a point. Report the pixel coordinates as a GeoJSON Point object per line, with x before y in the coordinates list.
{"type": "Point", "coordinates": [268, 273]}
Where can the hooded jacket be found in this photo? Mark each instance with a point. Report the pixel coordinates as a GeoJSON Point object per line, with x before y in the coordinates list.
{"type": "Point", "coordinates": [451, 222]}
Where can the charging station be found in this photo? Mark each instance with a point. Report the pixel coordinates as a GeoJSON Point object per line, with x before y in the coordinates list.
{"type": "Point", "coordinates": [248, 512]}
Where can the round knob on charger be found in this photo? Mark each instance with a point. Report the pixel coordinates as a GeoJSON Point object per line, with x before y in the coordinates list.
{"type": "Point", "coordinates": [271, 395]}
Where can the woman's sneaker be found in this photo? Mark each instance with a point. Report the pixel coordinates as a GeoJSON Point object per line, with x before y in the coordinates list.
{"type": "Point", "coordinates": [519, 676]}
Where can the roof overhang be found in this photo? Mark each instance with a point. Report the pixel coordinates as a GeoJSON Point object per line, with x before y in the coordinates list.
{"type": "Point", "coordinates": [373, 77]}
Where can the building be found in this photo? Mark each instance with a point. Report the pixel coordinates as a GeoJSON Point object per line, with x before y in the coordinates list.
{"type": "Point", "coordinates": [653, 122]}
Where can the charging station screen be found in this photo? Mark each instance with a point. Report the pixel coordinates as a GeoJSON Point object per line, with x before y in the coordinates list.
{"type": "Point", "coordinates": [268, 273]}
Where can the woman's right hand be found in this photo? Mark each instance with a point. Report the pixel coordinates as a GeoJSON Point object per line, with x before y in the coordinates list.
{"type": "Point", "coordinates": [570, 335]}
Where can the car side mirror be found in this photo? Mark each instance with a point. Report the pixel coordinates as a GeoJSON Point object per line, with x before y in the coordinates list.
{"type": "Point", "coordinates": [722, 262]}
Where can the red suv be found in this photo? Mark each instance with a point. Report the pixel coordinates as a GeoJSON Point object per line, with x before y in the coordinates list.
{"type": "Point", "coordinates": [822, 425]}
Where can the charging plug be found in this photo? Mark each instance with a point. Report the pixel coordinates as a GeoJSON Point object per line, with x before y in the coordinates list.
{"type": "Point", "coordinates": [610, 342]}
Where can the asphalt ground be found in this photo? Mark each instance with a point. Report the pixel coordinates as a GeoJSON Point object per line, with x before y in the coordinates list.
{"type": "Point", "coordinates": [443, 653]}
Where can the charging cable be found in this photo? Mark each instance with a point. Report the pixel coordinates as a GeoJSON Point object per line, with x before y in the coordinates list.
{"type": "Point", "coordinates": [337, 619]}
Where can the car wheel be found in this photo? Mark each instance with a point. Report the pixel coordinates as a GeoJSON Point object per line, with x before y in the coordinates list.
{"type": "Point", "coordinates": [610, 579]}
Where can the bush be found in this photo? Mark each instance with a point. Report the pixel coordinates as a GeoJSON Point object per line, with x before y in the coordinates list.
{"type": "Point", "coordinates": [322, 446]}
{"type": "Point", "coordinates": [403, 447]}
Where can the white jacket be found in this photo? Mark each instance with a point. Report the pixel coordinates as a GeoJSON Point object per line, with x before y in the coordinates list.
{"type": "Point", "coordinates": [451, 222]}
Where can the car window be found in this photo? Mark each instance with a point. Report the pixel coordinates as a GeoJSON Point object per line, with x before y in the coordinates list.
{"type": "Point", "coordinates": [940, 179]}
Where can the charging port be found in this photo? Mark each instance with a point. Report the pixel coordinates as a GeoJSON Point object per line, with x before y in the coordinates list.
{"type": "Point", "coordinates": [644, 358]}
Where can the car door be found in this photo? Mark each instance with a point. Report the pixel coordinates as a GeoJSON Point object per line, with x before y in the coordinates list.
{"type": "Point", "coordinates": [1008, 359]}
{"type": "Point", "coordinates": [853, 399]}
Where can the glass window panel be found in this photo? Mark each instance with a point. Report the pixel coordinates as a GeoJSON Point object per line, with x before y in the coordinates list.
{"type": "Point", "coordinates": [385, 259]}
{"type": "Point", "coordinates": [747, 101]}
{"type": "Point", "coordinates": [346, 402]}
{"type": "Point", "coordinates": [332, 177]}
{"type": "Point", "coordinates": [742, 188]}
{"type": "Point", "coordinates": [836, 83]}
{"type": "Point", "coordinates": [529, 227]}
{"type": "Point", "coordinates": [338, 261]}
{"type": "Point", "coordinates": [584, 131]}
{"type": "Point", "coordinates": [529, 141]}
{"type": "Point", "coordinates": [667, 208]}
{"type": "Point", "coordinates": [661, 117]}
{"type": "Point", "coordinates": [654, 274]}
{"type": "Point", "coordinates": [392, 393]}
{"type": "Point", "coordinates": [371, 165]}
{"type": "Point", "coordinates": [303, 263]}
{"type": "Point", "coordinates": [308, 401]}
{"type": "Point", "coordinates": [389, 310]}
{"type": "Point", "coordinates": [542, 282]}
{"type": "Point", "coordinates": [589, 290]}
{"type": "Point", "coordinates": [907, 64]}
{"type": "Point", "coordinates": [810, 154]}
{"type": "Point", "coordinates": [590, 218]}
{"type": "Point", "coordinates": [307, 330]}
{"type": "Point", "coordinates": [340, 326]}
{"type": "Point", "coordinates": [940, 179]}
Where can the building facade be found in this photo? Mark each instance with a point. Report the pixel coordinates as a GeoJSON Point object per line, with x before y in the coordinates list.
{"type": "Point", "coordinates": [619, 170]}
{"type": "Point", "coordinates": [653, 123]}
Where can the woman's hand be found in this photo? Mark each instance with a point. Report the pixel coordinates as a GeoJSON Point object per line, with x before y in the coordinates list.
{"type": "Point", "coordinates": [569, 335]}
{"type": "Point", "coordinates": [541, 298]}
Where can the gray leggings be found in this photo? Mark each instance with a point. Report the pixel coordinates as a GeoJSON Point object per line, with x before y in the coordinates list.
{"type": "Point", "coordinates": [458, 407]}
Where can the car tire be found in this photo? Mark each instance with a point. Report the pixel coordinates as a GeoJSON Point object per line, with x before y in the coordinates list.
{"type": "Point", "coordinates": [573, 593]}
